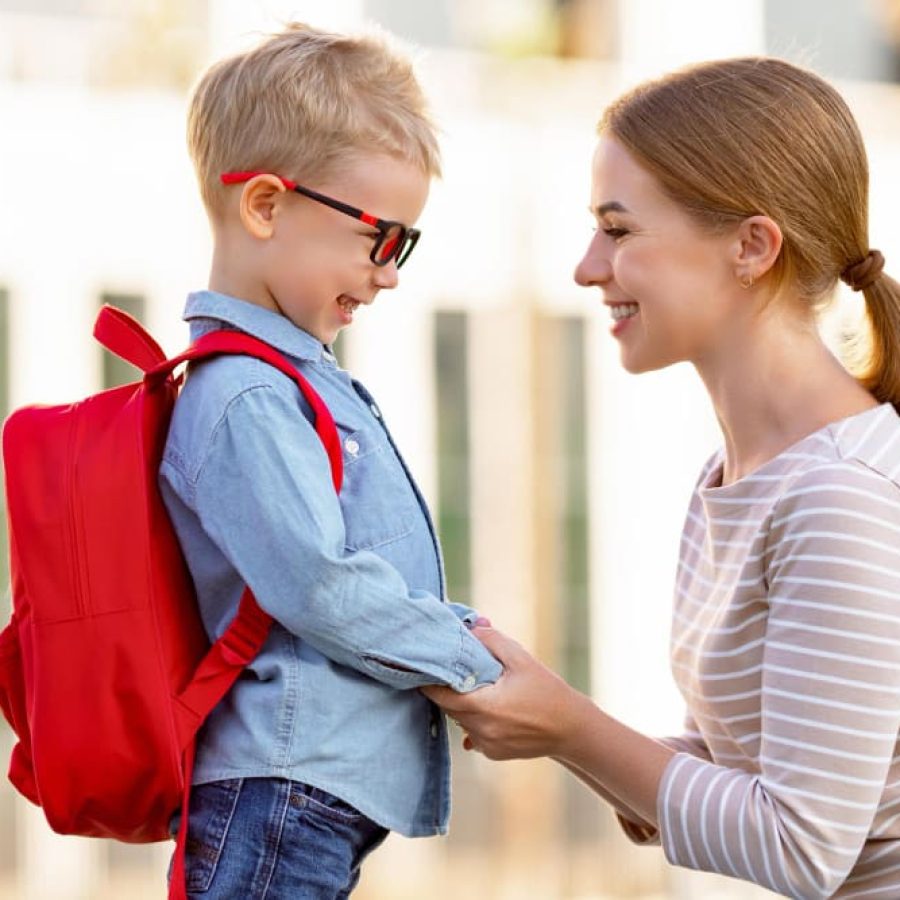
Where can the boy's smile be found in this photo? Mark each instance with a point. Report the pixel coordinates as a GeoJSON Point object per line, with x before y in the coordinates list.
{"type": "Point", "coordinates": [349, 305]}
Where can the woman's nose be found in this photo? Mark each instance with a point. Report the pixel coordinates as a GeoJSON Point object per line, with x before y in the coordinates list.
{"type": "Point", "coordinates": [594, 267]}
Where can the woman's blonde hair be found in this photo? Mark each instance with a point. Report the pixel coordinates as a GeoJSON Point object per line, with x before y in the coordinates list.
{"type": "Point", "coordinates": [303, 102]}
{"type": "Point", "coordinates": [740, 137]}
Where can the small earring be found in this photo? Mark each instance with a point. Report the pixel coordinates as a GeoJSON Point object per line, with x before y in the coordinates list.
{"type": "Point", "coordinates": [746, 281]}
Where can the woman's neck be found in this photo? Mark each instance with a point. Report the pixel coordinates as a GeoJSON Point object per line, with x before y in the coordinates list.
{"type": "Point", "coordinates": [772, 388]}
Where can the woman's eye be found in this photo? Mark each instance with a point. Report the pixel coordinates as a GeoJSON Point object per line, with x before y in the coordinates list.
{"type": "Point", "coordinates": [615, 233]}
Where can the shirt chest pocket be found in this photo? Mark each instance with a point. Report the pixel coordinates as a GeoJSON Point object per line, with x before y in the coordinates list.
{"type": "Point", "coordinates": [377, 499]}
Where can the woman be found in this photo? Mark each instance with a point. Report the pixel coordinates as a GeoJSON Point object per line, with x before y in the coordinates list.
{"type": "Point", "coordinates": [729, 198]}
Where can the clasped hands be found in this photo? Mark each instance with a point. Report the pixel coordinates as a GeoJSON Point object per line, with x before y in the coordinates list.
{"type": "Point", "coordinates": [529, 712]}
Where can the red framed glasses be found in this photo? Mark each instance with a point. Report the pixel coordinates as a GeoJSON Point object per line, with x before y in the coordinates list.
{"type": "Point", "coordinates": [394, 240]}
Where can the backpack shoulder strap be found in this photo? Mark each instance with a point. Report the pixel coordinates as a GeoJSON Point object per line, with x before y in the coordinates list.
{"type": "Point", "coordinates": [219, 343]}
{"type": "Point", "coordinates": [126, 337]}
{"type": "Point", "coordinates": [247, 632]}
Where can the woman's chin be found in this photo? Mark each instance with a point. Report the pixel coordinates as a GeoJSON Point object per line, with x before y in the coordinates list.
{"type": "Point", "coordinates": [638, 363]}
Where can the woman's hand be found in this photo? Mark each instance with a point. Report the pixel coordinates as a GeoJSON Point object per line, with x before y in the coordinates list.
{"type": "Point", "coordinates": [529, 712]}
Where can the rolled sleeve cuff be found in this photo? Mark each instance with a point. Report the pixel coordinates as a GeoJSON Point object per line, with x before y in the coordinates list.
{"type": "Point", "coordinates": [473, 667]}
{"type": "Point", "coordinates": [465, 614]}
{"type": "Point", "coordinates": [476, 666]}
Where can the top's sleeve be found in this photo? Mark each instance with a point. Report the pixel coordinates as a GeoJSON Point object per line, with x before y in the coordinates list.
{"type": "Point", "coordinates": [689, 741]}
{"type": "Point", "coordinates": [830, 699]}
{"type": "Point", "coordinates": [284, 534]}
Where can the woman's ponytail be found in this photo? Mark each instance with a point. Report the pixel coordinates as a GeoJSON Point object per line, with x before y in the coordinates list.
{"type": "Point", "coordinates": [879, 369]}
{"type": "Point", "coordinates": [881, 375]}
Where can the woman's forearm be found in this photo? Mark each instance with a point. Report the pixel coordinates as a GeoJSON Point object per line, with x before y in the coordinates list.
{"type": "Point", "coordinates": [597, 787]}
{"type": "Point", "coordinates": [620, 764]}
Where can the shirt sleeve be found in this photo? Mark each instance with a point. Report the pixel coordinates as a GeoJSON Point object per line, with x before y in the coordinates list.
{"type": "Point", "coordinates": [465, 614]}
{"type": "Point", "coordinates": [829, 699]}
{"type": "Point", "coordinates": [264, 495]}
{"type": "Point", "coordinates": [690, 741]}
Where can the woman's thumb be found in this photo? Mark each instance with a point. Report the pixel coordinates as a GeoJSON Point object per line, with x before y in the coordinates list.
{"type": "Point", "coordinates": [503, 647]}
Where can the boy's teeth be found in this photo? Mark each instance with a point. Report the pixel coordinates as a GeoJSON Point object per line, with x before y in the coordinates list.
{"type": "Point", "coordinates": [623, 311]}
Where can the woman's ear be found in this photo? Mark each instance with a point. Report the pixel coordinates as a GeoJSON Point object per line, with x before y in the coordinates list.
{"type": "Point", "coordinates": [756, 247]}
{"type": "Point", "coordinates": [259, 198]}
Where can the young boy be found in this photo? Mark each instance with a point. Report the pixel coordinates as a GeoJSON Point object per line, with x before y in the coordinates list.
{"type": "Point", "coordinates": [314, 155]}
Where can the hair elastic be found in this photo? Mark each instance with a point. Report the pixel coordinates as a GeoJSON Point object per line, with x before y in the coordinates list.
{"type": "Point", "coordinates": [865, 271]}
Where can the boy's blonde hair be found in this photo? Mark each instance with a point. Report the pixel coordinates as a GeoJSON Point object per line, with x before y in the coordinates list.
{"type": "Point", "coordinates": [303, 102]}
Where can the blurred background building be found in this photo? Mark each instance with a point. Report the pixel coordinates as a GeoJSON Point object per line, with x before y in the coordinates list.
{"type": "Point", "coordinates": [558, 500]}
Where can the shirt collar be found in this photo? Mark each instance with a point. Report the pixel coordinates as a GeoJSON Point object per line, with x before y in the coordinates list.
{"type": "Point", "coordinates": [207, 311]}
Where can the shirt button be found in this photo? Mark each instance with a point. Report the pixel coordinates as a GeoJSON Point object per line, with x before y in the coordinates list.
{"type": "Point", "coordinates": [351, 446]}
{"type": "Point", "coordinates": [375, 411]}
{"type": "Point", "coordinates": [434, 729]}
{"type": "Point", "coordinates": [469, 683]}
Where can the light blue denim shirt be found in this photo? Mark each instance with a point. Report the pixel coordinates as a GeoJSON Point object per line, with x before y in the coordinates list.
{"type": "Point", "coordinates": [355, 583]}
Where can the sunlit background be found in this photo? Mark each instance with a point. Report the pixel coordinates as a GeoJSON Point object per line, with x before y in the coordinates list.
{"type": "Point", "coordinates": [558, 482]}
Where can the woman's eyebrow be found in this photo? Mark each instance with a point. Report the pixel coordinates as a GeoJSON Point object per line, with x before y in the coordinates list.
{"type": "Point", "coordinates": [609, 206]}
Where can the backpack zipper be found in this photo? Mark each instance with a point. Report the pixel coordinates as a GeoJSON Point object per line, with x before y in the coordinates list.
{"type": "Point", "coordinates": [72, 521]}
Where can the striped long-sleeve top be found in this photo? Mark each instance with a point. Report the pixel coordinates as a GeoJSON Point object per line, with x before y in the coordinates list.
{"type": "Point", "coordinates": [786, 647]}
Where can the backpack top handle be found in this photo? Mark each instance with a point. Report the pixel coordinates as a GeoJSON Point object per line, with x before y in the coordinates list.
{"type": "Point", "coordinates": [123, 335]}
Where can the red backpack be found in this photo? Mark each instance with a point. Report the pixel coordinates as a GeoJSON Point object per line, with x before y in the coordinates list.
{"type": "Point", "coordinates": [106, 672]}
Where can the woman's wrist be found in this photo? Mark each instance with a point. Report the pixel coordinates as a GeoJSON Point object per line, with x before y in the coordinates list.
{"type": "Point", "coordinates": [572, 723]}
{"type": "Point", "coordinates": [626, 764]}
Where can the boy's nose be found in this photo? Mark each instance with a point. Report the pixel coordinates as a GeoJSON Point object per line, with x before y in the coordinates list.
{"type": "Point", "coordinates": [386, 276]}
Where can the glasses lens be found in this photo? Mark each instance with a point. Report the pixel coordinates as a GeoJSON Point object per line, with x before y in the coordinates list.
{"type": "Point", "coordinates": [391, 242]}
{"type": "Point", "coordinates": [412, 237]}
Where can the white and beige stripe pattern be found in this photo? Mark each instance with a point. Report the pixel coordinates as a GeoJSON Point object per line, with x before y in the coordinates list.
{"type": "Point", "coordinates": [786, 648]}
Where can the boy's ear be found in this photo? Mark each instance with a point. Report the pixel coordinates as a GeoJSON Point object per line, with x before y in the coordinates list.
{"type": "Point", "coordinates": [259, 197]}
{"type": "Point", "coordinates": [756, 247]}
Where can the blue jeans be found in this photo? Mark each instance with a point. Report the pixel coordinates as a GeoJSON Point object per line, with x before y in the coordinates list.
{"type": "Point", "coordinates": [273, 839]}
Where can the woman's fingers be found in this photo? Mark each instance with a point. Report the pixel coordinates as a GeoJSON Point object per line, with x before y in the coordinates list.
{"type": "Point", "coordinates": [445, 697]}
{"type": "Point", "coordinates": [503, 647]}
{"type": "Point", "coordinates": [525, 714]}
